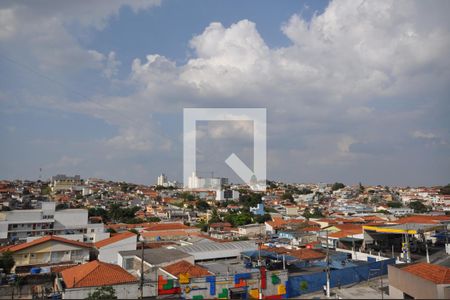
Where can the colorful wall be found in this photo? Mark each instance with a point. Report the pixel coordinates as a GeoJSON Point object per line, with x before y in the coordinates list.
{"type": "Point", "coordinates": [272, 283]}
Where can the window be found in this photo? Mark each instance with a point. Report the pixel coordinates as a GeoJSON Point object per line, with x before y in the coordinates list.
{"type": "Point", "coordinates": [91, 239]}
{"type": "Point", "coordinates": [128, 265]}
{"type": "Point", "coordinates": [33, 255]}
{"type": "Point", "coordinates": [92, 230]}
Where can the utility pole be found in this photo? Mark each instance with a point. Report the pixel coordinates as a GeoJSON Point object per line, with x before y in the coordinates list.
{"type": "Point", "coordinates": [381, 279]}
{"type": "Point", "coordinates": [408, 253]}
{"type": "Point", "coordinates": [447, 250]}
{"type": "Point", "coordinates": [328, 267]}
{"type": "Point", "coordinates": [259, 265]}
{"type": "Point", "coordinates": [142, 267]}
{"type": "Point", "coordinates": [354, 248]}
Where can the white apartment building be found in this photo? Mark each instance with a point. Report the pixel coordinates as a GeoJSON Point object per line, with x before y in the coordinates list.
{"type": "Point", "coordinates": [222, 195]}
{"type": "Point", "coordinates": [162, 179]}
{"type": "Point", "coordinates": [29, 224]}
{"type": "Point", "coordinates": [401, 211]}
{"type": "Point", "coordinates": [215, 183]}
{"type": "Point", "coordinates": [62, 182]}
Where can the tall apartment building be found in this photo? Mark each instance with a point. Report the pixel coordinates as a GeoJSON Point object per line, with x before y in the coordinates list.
{"type": "Point", "coordinates": [29, 224]}
{"type": "Point", "coordinates": [214, 183]}
{"type": "Point", "coordinates": [162, 180]}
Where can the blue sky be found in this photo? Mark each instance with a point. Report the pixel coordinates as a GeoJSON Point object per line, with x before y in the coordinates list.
{"type": "Point", "coordinates": [355, 91]}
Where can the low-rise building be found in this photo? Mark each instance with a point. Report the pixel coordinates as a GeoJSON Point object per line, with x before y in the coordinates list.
{"type": "Point", "coordinates": [49, 250]}
{"type": "Point", "coordinates": [29, 224]}
{"type": "Point", "coordinates": [419, 281]}
{"type": "Point", "coordinates": [209, 250]}
{"type": "Point", "coordinates": [79, 281]}
{"type": "Point", "coordinates": [108, 249]}
{"type": "Point", "coordinates": [401, 211]}
{"type": "Point", "coordinates": [252, 230]}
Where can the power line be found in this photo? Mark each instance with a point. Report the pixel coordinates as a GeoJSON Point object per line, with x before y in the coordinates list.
{"type": "Point", "coordinates": [57, 82]}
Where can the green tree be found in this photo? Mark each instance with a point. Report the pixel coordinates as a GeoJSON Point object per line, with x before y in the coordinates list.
{"type": "Point", "coordinates": [215, 218]}
{"type": "Point", "coordinates": [46, 190]}
{"type": "Point", "coordinates": [187, 196]}
{"type": "Point", "coordinates": [238, 219]}
{"type": "Point", "coordinates": [103, 293]}
{"type": "Point", "coordinates": [304, 191]}
{"type": "Point", "coordinates": [445, 190]}
{"type": "Point", "coordinates": [361, 188]}
{"type": "Point", "coordinates": [133, 231]}
{"type": "Point", "coordinates": [60, 206]}
{"type": "Point", "coordinates": [337, 186]}
{"type": "Point", "coordinates": [263, 218]}
{"type": "Point", "coordinates": [98, 212]}
{"type": "Point", "coordinates": [202, 205]}
{"type": "Point", "coordinates": [418, 207]}
{"type": "Point", "coordinates": [7, 261]}
{"type": "Point", "coordinates": [111, 230]}
{"type": "Point", "coordinates": [202, 225]}
{"type": "Point", "coordinates": [287, 196]}
{"type": "Point", "coordinates": [394, 204]}
{"type": "Point", "coordinates": [250, 200]}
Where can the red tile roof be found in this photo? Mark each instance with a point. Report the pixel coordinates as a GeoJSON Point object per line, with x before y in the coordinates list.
{"type": "Point", "coordinates": [373, 219]}
{"type": "Point", "coordinates": [349, 227]}
{"type": "Point", "coordinates": [96, 273]}
{"type": "Point", "coordinates": [166, 226]}
{"type": "Point", "coordinates": [278, 222]}
{"type": "Point", "coordinates": [224, 224]}
{"type": "Point", "coordinates": [46, 239]}
{"type": "Point", "coordinates": [307, 254]}
{"type": "Point", "coordinates": [423, 219]}
{"type": "Point", "coordinates": [166, 233]}
{"type": "Point", "coordinates": [114, 238]}
{"type": "Point", "coordinates": [60, 268]}
{"type": "Point", "coordinates": [303, 254]}
{"type": "Point", "coordinates": [435, 273]}
{"type": "Point", "coordinates": [184, 267]}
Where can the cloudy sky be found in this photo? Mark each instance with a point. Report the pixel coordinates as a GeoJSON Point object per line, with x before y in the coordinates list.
{"type": "Point", "coordinates": [355, 91]}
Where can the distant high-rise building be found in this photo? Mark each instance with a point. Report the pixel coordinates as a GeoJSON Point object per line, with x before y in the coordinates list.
{"type": "Point", "coordinates": [214, 183]}
{"type": "Point", "coordinates": [162, 180]}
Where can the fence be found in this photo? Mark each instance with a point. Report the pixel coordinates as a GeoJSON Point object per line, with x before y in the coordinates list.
{"type": "Point", "coordinates": [308, 283]}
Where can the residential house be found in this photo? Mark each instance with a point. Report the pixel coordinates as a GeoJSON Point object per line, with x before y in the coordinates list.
{"type": "Point", "coordinates": [291, 210]}
{"type": "Point", "coordinates": [251, 230]}
{"type": "Point", "coordinates": [49, 250]}
{"type": "Point", "coordinates": [221, 230]}
{"type": "Point", "coordinates": [176, 278]}
{"type": "Point", "coordinates": [419, 281]}
{"type": "Point", "coordinates": [77, 282]}
{"type": "Point", "coordinates": [108, 249]}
